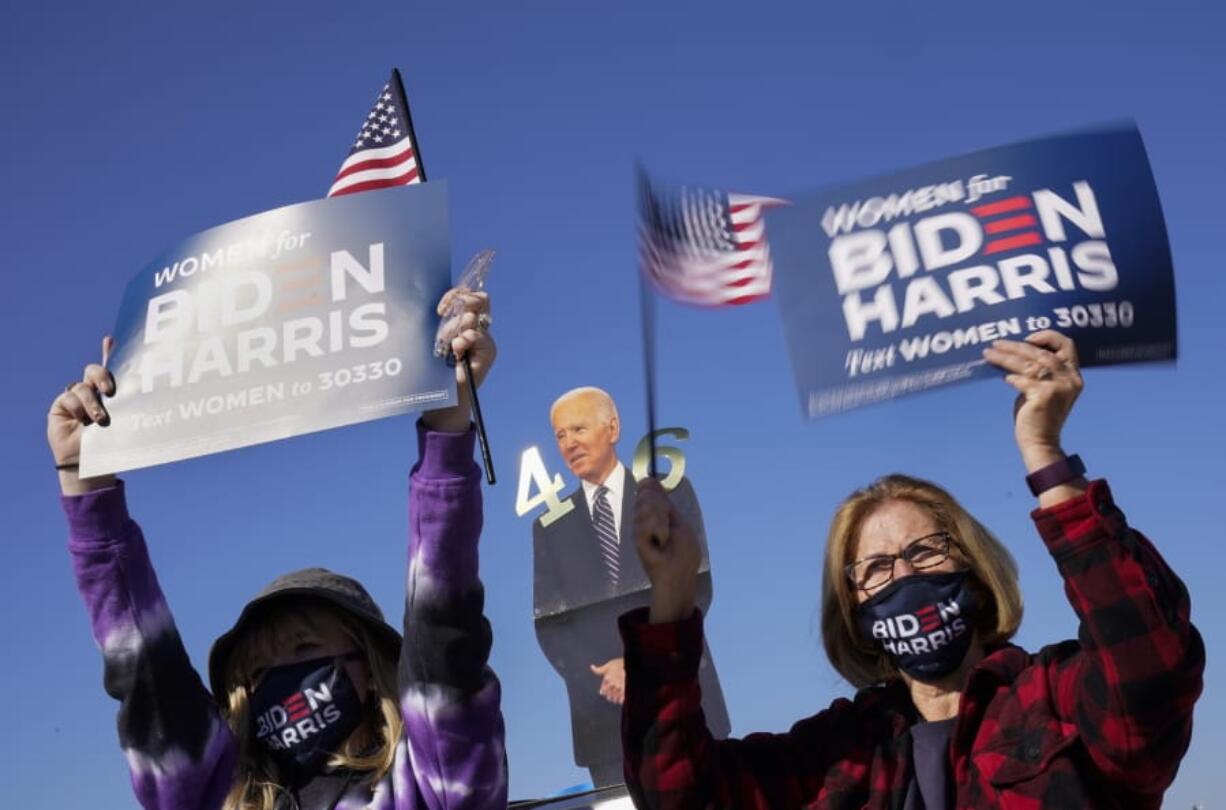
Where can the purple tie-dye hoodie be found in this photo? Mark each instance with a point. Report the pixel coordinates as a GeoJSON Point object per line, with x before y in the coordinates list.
{"type": "Point", "coordinates": [179, 749]}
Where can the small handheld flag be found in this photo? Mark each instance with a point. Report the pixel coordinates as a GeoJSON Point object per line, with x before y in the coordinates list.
{"type": "Point", "coordinates": [385, 151]}
{"type": "Point", "coordinates": [698, 246]}
{"type": "Point", "coordinates": [704, 246]}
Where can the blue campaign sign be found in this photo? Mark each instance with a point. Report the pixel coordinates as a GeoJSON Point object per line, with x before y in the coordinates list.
{"type": "Point", "coordinates": [894, 285]}
{"type": "Point", "coordinates": [299, 319]}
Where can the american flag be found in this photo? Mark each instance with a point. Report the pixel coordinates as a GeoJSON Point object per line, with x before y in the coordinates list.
{"type": "Point", "coordinates": [384, 153]}
{"type": "Point", "coordinates": [705, 247]}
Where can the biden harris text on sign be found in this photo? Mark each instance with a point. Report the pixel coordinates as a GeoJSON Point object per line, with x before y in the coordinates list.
{"type": "Point", "coordinates": [894, 285]}
{"type": "Point", "coordinates": [294, 320]}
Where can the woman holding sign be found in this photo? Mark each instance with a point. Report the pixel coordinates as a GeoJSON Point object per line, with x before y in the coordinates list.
{"type": "Point", "coordinates": [316, 701]}
{"type": "Point", "coordinates": [919, 601]}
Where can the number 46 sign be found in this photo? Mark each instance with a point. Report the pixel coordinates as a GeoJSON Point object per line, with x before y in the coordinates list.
{"type": "Point", "coordinates": [532, 473]}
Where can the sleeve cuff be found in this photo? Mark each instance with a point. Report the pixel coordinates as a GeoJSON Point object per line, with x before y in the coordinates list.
{"type": "Point", "coordinates": [1079, 521]}
{"type": "Point", "coordinates": [667, 648]}
{"type": "Point", "coordinates": [98, 515]}
{"type": "Point", "coordinates": [445, 455]}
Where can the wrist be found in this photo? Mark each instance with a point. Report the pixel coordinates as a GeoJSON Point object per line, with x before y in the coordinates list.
{"type": "Point", "coordinates": [669, 607]}
{"type": "Point", "coordinates": [73, 484]}
{"type": "Point", "coordinates": [1037, 455]}
{"type": "Point", "coordinates": [448, 420]}
{"type": "Point", "coordinates": [454, 419]}
{"type": "Point", "coordinates": [1058, 481]}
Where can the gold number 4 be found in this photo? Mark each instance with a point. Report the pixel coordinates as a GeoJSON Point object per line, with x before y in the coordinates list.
{"type": "Point", "coordinates": [532, 471]}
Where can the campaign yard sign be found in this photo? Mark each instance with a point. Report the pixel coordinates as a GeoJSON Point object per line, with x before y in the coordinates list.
{"type": "Point", "coordinates": [299, 319]}
{"type": "Point", "coordinates": [895, 285]}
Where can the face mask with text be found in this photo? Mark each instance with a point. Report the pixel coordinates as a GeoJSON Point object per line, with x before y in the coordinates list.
{"type": "Point", "coordinates": [923, 622]}
{"type": "Point", "coordinates": [304, 712]}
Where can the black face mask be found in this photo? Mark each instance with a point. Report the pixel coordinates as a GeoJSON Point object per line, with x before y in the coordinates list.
{"type": "Point", "coordinates": [923, 622]}
{"type": "Point", "coordinates": [303, 713]}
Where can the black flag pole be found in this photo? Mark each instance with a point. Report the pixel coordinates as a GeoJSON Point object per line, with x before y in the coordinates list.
{"type": "Point", "coordinates": [647, 311]}
{"type": "Point", "coordinates": [408, 118]}
{"type": "Point", "coordinates": [647, 315]}
{"type": "Point", "coordinates": [482, 439]}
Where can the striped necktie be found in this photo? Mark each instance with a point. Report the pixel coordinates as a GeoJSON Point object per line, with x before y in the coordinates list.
{"type": "Point", "coordinates": [606, 532]}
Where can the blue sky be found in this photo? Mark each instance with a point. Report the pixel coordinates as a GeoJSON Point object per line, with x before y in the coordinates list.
{"type": "Point", "coordinates": [128, 127]}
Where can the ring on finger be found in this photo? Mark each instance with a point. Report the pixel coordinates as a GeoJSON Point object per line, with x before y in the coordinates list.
{"type": "Point", "coordinates": [483, 322]}
{"type": "Point", "coordinates": [1042, 373]}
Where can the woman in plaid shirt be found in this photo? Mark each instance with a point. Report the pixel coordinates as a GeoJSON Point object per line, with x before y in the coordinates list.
{"type": "Point", "coordinates": [919, 602]}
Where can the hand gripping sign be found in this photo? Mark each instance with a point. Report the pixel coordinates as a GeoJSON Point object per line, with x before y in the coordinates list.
{"type": "Point", "coordinates": [298, 319]}
{"type": "Point", "coordinates": [894, 285]}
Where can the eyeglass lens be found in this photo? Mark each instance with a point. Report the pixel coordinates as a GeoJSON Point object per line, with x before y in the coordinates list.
{"type": "Point", "coordinates": [878, 570]}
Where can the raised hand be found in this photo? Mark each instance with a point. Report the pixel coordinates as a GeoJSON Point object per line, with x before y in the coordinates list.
{"type": "Point", "coordinates": [80, 404]}
{"type": "Point", "coordinates": [669, 552]}
{"type": "Point", "coordinates": [469, 337]}
{"type": "Point", "coordinates": [1044, 370]}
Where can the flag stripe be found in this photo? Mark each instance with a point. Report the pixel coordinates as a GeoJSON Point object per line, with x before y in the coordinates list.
{"type": "Point", "coordinates": [395, 173]}
{"type": "Point", "coordinates": [702, 263]}
{"type": "Point", "coordinates": [713, 281]}
{"type": "Point", "coordinates": [744, 299]}
{"type": "Point", "coordinates": [370, 186]}
{"type": "Point", "coordinates": [712, 293]}
{"type": "Point", "coordinates": [377, 154]}
{"type": "Point", "coordinates": [381, 163]}
{"type": "Point", "coordinates": [403, 174]}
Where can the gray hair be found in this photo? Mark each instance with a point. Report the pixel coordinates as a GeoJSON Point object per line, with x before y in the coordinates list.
{"type": "Point", "coordinates": [606, 409]}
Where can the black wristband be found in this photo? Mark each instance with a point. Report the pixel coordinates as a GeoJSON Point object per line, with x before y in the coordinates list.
{"type": "Point", "coordinates": [71, 465]}
{"type": "Point", "coordinates": [1066, 469]}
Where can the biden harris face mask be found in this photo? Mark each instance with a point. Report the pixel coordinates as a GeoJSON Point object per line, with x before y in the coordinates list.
{"type": "Point", "coordinates": [923, 622]}
{"type": "Point", "coordinates": [304, 712]}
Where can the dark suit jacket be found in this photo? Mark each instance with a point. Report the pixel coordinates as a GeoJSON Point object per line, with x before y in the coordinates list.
{"type": "Point", "coordinates": [575, 608]}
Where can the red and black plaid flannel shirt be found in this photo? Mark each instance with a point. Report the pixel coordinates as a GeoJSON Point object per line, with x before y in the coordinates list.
{"type": "Point", "coordinates": [1102, 721]}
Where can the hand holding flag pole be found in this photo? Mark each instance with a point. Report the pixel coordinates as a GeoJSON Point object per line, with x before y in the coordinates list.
{"type": "Point", "coordinates": [473, 280]}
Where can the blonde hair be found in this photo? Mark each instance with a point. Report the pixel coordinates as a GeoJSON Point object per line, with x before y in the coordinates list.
{"type": "Point", "coordinates": [604, 406]}
{"type": "Point", "coordinates": [256, 783]}
{"type": "Point", "coordinates": [993, 574]}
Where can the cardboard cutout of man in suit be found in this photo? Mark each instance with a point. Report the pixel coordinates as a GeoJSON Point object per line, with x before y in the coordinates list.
{"type": "Point", "coordinates": [587, 573]}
